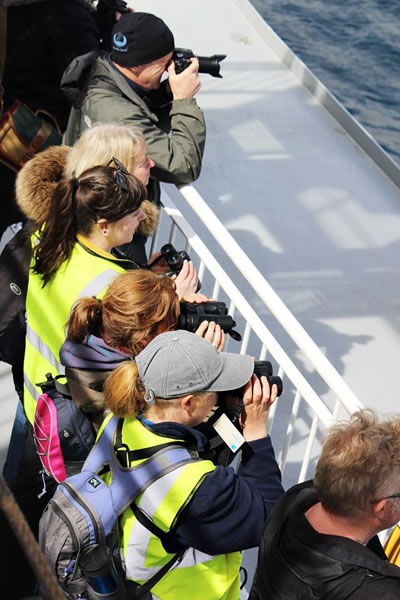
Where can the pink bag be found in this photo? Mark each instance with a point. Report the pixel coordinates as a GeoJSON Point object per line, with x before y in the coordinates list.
{"type": "Point", "coordinates": [47, 441]}
{"type": "Point", "coordinates": [63, 434]}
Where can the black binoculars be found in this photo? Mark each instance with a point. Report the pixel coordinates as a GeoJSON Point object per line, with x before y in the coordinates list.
{"type": "Point", "coordinates": [192, 315]}
{"type": "Point", "coordinates": [174, 259]}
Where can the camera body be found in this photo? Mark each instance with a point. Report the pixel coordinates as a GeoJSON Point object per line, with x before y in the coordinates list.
{"type": "Point", "coordinates": [261, 367]}
{"type": "Point", "coordinates": [207, 64]}
{"type": "Point", "coordinates": [192, 315]}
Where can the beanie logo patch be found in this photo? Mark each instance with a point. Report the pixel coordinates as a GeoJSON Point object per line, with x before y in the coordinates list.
{"type": "Point", "coordinates": [119, 41]}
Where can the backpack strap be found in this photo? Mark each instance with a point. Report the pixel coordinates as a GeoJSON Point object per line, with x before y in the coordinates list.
{"type": "Point", "coordinates": [126, 456]}
{"type": "Point", "coordinates": [111, 500]}
{"type": "Point", "coordinates": [62, 388]}
{"type": "Point", "coordinates": [145, 588]}
{"type": "Point", "coordinates": [140, 591]}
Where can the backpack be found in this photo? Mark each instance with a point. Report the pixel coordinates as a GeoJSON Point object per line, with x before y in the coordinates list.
{"type": "Point", "coordinates": [14, 270]}
{"type": "Point", "coordinates": [62, 433]}
{"type": "Point", "coordinates": [76, 528]}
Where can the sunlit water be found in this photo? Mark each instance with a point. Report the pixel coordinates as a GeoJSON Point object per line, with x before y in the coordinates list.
{"type": "Point", "coordinates": [354, 49]}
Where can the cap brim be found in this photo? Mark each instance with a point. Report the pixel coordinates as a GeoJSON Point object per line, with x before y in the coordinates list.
{"type": "Point", "coordinates": [236, 372]}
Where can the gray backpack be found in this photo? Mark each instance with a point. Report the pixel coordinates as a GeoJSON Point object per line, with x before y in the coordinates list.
{"type": "Point", "coordinates": [76, 528]}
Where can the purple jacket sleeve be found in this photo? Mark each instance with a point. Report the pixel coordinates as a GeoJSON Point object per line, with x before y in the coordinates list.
{"type": "Point", "coordinates": [228, 511]}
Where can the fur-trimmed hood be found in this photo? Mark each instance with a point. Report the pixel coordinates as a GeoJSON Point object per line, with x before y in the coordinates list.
{"type": "Point", "coordinates": [37, 180]}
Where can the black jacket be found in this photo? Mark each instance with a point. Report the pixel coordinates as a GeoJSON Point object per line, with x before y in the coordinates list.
{"type": "Point", "coordinates": [42, 39]}
{"type": "Point", "coordinates": [296, 562]}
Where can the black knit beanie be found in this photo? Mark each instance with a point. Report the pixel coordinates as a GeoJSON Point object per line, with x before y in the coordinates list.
{"type": "Point", "coordinates": [140, 38]}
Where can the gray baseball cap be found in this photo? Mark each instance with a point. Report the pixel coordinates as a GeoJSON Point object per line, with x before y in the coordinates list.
{"type": "Point", "coordinates": [179, 362]}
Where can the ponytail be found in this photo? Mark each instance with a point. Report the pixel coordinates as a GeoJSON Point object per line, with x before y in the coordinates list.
{"type": "Point", "coordinates": [124, 392]}
{"type": "Point", "coordinates": [57, 237]}
{"type": "Point", "coordinates": [76, 206]}
{"type": "Point", "coordinates": [85, 318]}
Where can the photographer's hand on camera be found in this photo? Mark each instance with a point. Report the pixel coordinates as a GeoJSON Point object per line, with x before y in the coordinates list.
{"type": "Point", "coordinates": [257, 400]}
{"type": "Point", "coordinates": [186, 281]}
{"type": "Point", "coordinates": [212, 333]}
{"type": "Point", "coordinates": [185, 84]}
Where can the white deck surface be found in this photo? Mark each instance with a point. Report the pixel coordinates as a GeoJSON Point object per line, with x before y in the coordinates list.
{"type": "Point", "coordinates": [308, 206]}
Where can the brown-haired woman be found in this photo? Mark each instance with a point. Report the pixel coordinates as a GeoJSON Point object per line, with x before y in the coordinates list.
{"type": "Point", "coordinates": [101, 334]}
{"type": "Point", "coordinates": [89, 216]}
{"type": "Point", "coordinates": [72, 257]}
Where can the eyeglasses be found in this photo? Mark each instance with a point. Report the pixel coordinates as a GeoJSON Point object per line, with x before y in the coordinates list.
{"type": "Point", "coordinates": [120, 175]}
{"type": "Point", "coordinates": [385, 498]}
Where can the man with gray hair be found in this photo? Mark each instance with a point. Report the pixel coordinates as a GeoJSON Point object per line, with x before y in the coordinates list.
{"type": "Point", "coordinates": [320, 540]}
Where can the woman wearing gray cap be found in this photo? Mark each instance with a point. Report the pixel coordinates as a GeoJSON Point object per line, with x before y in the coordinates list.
{"type": "Point", "coordinates": [207, 512]}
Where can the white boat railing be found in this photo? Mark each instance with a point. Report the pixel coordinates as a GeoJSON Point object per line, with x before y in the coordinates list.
{"type": "Point", "coordinates": [297, 426]}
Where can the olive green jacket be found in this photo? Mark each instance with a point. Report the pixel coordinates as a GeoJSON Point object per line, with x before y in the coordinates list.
{"type": "Point", "coordinates": [175, 137]}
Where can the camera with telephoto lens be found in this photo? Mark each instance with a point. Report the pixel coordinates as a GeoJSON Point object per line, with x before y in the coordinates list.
{"type": "Point", "coordinates": [207, 64]}
{"type": "Point", "coordinates": [192, 315]}
{"type": "Point", "coordinates": [261, 367]}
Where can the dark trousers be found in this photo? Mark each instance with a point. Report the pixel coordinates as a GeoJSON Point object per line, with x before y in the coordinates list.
{"type": "Point", "coordinates": [22, 471]}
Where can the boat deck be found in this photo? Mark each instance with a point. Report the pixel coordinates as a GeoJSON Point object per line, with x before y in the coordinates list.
{"type": "Point", "coordinates": [314, 212]}
{"type": "Point", "coordinates": [309, 205]}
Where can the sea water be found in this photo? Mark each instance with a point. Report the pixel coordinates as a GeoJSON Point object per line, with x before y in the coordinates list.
{"type": "Point", "coordinates": [354, 49]}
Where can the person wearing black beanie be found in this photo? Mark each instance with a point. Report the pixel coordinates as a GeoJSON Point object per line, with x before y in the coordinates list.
{"type": "Point", "coordinates": [142, 47]}
{"type": "Point", "coordinates": [140, 38]}
{"type": "Point", "coordinates": [126, 86]}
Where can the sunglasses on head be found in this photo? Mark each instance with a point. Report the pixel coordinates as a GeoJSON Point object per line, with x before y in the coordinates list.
{"type": "Point", "coordinates": [120, 174]}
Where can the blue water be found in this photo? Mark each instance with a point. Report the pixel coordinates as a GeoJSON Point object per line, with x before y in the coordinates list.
{"type": "Point", "coordinates": [354, 49]}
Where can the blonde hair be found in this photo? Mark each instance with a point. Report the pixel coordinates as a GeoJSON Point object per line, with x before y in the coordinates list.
{"type": "Point", "coordinates": [359, 464]}
{"type": "Point", "coordinates": [124, 394]}
{"type": "Point", "coordinates": [134, 307]}
{"type": "Point", "coordinates": [99, 143]}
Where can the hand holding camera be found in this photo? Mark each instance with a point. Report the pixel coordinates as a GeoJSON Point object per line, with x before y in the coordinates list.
{"type": "Point", "coordinates": [185, 84]}
{"type": "Point", "coordinates": [258, 398]}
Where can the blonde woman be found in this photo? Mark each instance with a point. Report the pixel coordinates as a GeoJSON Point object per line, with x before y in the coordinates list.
{"type": "Point", "coordinates": [37, 180]}
{"type": "Point", "coordinates": [207, 512]}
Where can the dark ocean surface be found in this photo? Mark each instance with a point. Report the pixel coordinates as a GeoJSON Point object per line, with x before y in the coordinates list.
{"type": "Point", "coordinates": [354, 49]}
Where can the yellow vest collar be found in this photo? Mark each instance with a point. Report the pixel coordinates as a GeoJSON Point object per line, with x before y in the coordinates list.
{"type": "Point", "coordinates": [99, 251]}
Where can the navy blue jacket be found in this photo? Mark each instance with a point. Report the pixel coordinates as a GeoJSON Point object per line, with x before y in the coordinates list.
{"type": "Point", "coordinates": [228, 511]}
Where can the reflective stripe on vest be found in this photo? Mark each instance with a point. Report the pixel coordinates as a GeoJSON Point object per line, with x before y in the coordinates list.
{"type": "Point", "coordinates": [48, 309]}
{"type": "Point", "coordinates": [198, 575]}
{"type": "Point", "coordinates": [43, 349]}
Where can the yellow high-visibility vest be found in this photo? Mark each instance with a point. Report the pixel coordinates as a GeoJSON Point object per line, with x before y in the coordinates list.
{"type": "Point", "coordinates": [198, 576]}
{"type": "Point", "coordinates": [87, 272]}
